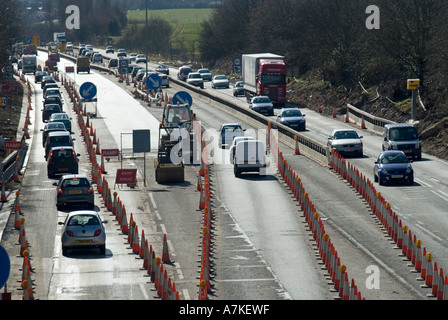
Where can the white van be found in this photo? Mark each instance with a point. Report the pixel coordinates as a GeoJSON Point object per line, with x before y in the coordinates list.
{"type": "Point", "coordinates": [250, 156]}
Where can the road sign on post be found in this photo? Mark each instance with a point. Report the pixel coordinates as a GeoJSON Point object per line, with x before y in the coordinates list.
{"type": "Point", "coordinates": [153, 81]}
{"type": "Point", "coordinates": [5, 266]}
{"type": "Point", "coordinates": [413, 85]}
{"type": "Point", "coordinates": [87, 90]}
{"type": "Point", "coordinates": [182, 97]}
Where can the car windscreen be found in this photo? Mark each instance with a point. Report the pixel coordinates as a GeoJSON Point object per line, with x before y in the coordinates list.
{"type": "Point", "coordinates": [409, 133]}
{"type": "Point", "coordinates": [59, 139]}
{"type": "Point", "coordinates": [346, 135]}
{"type": "Point", "coordinates": [81, 219]}
{"type": "Point", "coordinates": [75, 183]}
{"type": "Point", "coordinates": [394, 158]}
{"type": "Point", "coordinates": [291, 113]}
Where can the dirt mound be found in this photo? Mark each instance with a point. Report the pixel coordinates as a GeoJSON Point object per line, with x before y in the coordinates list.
{"type": "Point", "coordinates": [314, 93]}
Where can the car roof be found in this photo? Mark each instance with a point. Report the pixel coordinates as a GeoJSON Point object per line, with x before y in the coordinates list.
{"type": "Point", "coordinates": [74, 175]}
{"type": "Point", "coordinates": [62, 147]}
{"type": "Point", "coordinates": [59, 133]}
{"type": "Point", "coordinates": [399, 125]}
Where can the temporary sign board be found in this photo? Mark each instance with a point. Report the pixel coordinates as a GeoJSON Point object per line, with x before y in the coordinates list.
{"type": "Point", "coordinates": [413, 84]}
{"type": "Point", "coordinates": [9, 86]}
{"type": "Point", "coordinates": [126, 176]}
{"type": "Point", "coordinates": [141, 141]}
{"type": "Point", "coordinates": [13, 145]}
{"type": "Point", "coordinates": [110, 152]}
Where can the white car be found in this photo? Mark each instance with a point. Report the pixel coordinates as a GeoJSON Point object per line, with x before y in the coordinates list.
{"type": "Point", "coordinates": [220, 81]}
{"type": "Point", "coordinates": [140, 58]}
{"type": "Point", "coordinates": [206, 74]}
{"type": "Point", "coordinates": [344, 142]}
{"type": "Point", "coordinates": [262, 104]}
{"type": "Point", "coordinates": [228, 132]}
{"type": "Point", "coordinates": [195, 79]}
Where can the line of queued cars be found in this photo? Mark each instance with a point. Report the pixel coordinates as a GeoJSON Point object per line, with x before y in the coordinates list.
{"type": "Point", "coordinates": [400, 147]}
{"type": "Point", "coordinates": [59, 151]}
{"type": "Point", "coordinates": [81, 228]}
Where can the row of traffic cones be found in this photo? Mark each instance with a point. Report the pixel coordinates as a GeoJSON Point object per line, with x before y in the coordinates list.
{"type": "Point", "coordinates": [139, 245]}
{"type": "Point", "coordinates": [329, 259]}
{"type": "Point", "coordinates": [203, 186]}
{"type": "Point", "coordinates": [410, 247]}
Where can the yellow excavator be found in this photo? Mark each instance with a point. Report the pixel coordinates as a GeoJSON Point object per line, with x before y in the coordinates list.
{"type": "Point", "coordinates": [175, 131]}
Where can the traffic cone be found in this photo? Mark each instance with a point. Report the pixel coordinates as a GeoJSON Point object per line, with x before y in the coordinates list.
{"type": "Point", "coordinates": [103, 170]}
{"type": "Point", "coordinates": [363, 124]}
{"type": "Point", "coordinates": [3, 195]}
{"type": "Point", "coordinates": [435, 282]}
{"type": "Point", "coordinates": [347, 116]}
{"type": "Point", "coordinates": [202, 200]}
{"type": "Point", "coordinates": [165, 253]}
{"type": "Point", "coordinates": [16, 170]}
{"type": "Point", "coordinates": [124, 223]}
{"type": "Point", "coordinates": [27, 290]}
{"type": "Point", "coordinates": [429, 271]}
{"type": "Point", "coordinates": [199, 184]}
{"type": "Point", "coordinates": [135, 241]}
{"type": "Point", "coordinates": [143, 245]}
{"type": "Point", "coordinates": [146, 255]}
{"type": "Point", "coordinates": [440, 286]}
{"type": "Point", "coordinates": [297, 151]}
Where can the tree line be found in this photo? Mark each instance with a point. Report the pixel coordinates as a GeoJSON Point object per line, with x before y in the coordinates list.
{"type": "Point", "coordinates": [331, 39]}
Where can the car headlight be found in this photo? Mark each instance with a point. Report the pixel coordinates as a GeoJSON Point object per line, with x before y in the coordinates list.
{"type": "Point", "coordinates": [384, 171]}
{"type": "Point", "coordinates": [409, 170]}
{"type": "Point", "coordinates": [417, 145]}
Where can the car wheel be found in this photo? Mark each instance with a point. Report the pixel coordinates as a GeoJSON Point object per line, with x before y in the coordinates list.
{"type": "Point", "coordinates": [411, 181]}
{"type": "Point", "coordinates": [103, 249]}
{"type": "Point", "coordinates": [380, 181]}
{"type": "Point", "coordinates": [236, 171]}
{"type": "Point", "coordinates": [64, 250]}
{"type": "Point", "coordinates": [375, 178]}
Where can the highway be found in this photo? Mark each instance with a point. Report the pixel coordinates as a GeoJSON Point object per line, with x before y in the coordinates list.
{"type": "Point", "coordinates": [261, 247]}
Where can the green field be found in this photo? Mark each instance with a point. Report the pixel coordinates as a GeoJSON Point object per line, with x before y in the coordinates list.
{"type": "Point", "coordinates": [186, 23]}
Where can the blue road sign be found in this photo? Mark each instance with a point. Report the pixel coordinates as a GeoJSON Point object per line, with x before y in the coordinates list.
{"type": "Point", "coordinates": [5, 266]}
{"type": "Point", "coordinates": [182, 97]}
{"type": "Point", "coordinates": [87, 90]}
{"type": "Point", "coordinates": [153, 81]}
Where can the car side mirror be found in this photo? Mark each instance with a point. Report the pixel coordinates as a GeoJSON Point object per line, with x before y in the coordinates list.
{"type": "Point", "coordinates": [61, 223]}
{"type": "Point", "coordinates": [360, 137]}
{"type": "Point", "coordinates": [55, 184]}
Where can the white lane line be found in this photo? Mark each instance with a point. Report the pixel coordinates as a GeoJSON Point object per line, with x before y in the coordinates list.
{"type": "Point", "coordinates": [444, 198]}
{"type": "Point", "coordinates": [151, 197]}
{"type": "Point", "coordinates": [429, 232]}
{"type": "Point", "coordinates": [424, 183]}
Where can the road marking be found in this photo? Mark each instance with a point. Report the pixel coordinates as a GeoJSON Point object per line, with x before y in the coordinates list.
{"type": "Point", "coordinates": [429, 232]}
{"type": "Point", "coordinates": [186, 294]}
{"type": "Point", "coordinates": [424, 183]}
{"type": "Point", "coordinates": [444, 198]}
{"type": "Point", "coordinates": [151, 197]}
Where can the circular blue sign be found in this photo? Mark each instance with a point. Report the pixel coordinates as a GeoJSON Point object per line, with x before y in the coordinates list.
{"type": "Point", "coordinates": [87, 90]}
{"type": "Point", "coordinates": [183, 97]}
{"type": "Point", "coordinates": [5, 266]}
{"type": "Point", "coordinates": [153, 81]}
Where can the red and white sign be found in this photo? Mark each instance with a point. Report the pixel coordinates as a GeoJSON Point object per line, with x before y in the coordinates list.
{"type": "Point", "coordinates": [14, 145]}
{"type": "Point", "coordinates": [70, 69]}
{"type": "Point", "coordinates": [110, 152]}
{"type": "Point", "coordinates": [126, 176]}
{"type": "Point", "coordinates": [9, 86]}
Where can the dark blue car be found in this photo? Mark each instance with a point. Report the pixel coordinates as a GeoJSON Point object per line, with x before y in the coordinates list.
{"type": "Point", "coordinates": [393, 166]}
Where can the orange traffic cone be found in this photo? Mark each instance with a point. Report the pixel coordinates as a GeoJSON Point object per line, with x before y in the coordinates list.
{"type": "Point", "coordinates": [297, 151]}
{"type": "Point", "coordinates": [165, 253]}
{"type": "Point", "coordinates": [363, 124]}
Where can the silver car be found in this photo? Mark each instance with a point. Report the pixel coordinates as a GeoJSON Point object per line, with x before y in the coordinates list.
{"type": "Point", "coordinates": [262, 104]}
{"type": "Point", "coordinates": [345, 141]}
{"type": "Point", "coordinates": [220, 81]}
{"type": "Point", "coordinates": [83, 229]}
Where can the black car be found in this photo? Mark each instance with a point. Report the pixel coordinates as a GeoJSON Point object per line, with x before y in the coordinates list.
{"type": "Point", "coordinates": [45, 80]}
{"type": "Point", "coordinates": [62, 160]}
{"type": "Point", "coordinates": [113, 63]}
{"type": "Point", "coordinates": [48, 110]}
{"type": "Point", "coordinates": [39, 75]}
{"type": "Point", "coordinates": [53, 100]}
{"type": "Point", "coordinates": [74, 189]}
{"type": "Point", "coordinates": [163, 69]}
